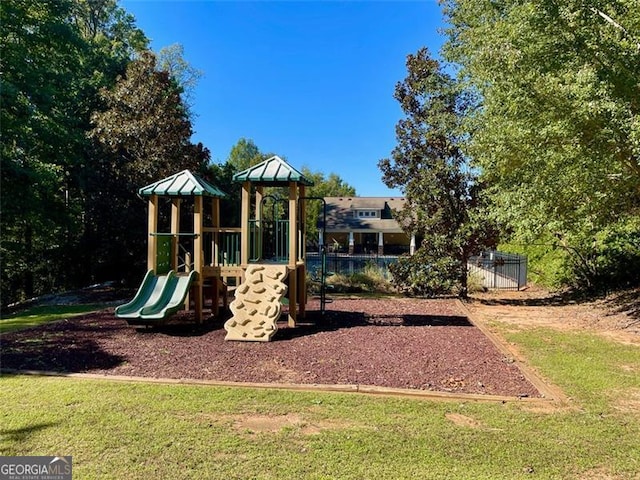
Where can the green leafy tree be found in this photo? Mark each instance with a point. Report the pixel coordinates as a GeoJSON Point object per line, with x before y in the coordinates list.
{"type": "Point", "coordinates": [40, 62]}
{"type": "Point", "coordinates": [221, 175]}
{"type": "Point", "coordinates": [144, 130]}
{"type": "Point", "coordinates": [55, 56]}
{"type": "Point", "coordinates": [171, 60]}
{"type": "Point", "coordinates": [113, 40]}
{"type": "Point", "coordinates": [141, 136]}
{"type": "Point", "coordinates": [323, 186]}
{"type": "Point", "coordinates": [244, 154]}
{"type": "Point", "coordinates": [105, 19]}
{"type": "Point", "coordinates": [557, 134]}
{"type": "Point", "coordinates": [442, 191]}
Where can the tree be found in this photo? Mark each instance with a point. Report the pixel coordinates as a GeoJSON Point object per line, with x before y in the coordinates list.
{"type": "Point", "coordinates": [323, 186]}
{"type": "Point", "coordinates": [144, 129]}
{"type": "Point", "coordinates": [142, 135]}
{"type": "Point", "coordinates": [112, 39]}
{"type": "Point", "coordinates": [221, 175]}
{"type": "Point", "coordinates": [98, 19]}
{"type": "Point", "coordinates": [557, 134]}
{"type": "Point", "coordinates": [171, 60]}
{"type": "Point", "coordinates": [442, 191]}
{"type": "Point", "coordinates": [40, 63]}
{"type": "Point", "coordinates": [244, 154]}
{"type": "Point", "coordinates": [55, 57]}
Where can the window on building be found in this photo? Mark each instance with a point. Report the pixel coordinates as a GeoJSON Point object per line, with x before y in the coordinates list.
{"type": "Point", "coordinates": [367, 213]}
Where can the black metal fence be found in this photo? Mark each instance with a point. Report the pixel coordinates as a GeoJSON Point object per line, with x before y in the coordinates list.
{"type": "Point", "coordinates": [345, 264]}
{"type": "Point", "coordinates": [499, 270]}
{"type": "Point", "coordinates": [496, 270]}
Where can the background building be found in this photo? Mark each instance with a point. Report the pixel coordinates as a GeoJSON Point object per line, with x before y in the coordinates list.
{"type": "Point", "coordinates": [356, 225]}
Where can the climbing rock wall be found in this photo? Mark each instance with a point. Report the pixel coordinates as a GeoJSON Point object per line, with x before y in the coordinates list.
{"type": "Point", "coordinates": [257, 304]}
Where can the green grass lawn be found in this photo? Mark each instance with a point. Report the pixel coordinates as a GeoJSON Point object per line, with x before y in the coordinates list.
{"type": "Point", "coordinates": [140, 430]}
{"type": "Point", "coordinates": [35, 316]}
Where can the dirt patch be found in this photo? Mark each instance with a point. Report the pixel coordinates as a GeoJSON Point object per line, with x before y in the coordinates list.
{"type": "Point", "coordinates": [395, 343]}
{"type": "Point", "coordinates": [108, 293]}
{"type": "Point", "coordinates": [254, 424]}
{"type": "Point", "coordinates": [600, 473]}
{"type": "Point", "coordinates": [616, 316]}
{"type": "Point", "coordinates": [265, 423]}
{"type": "Point", "coordinates": [463, 420]}
{"type": "Point", "coordinates": [628, 401]}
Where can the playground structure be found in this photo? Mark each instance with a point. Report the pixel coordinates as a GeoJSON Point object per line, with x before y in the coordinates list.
{"type": "Point", "coordinates": [263, 259]}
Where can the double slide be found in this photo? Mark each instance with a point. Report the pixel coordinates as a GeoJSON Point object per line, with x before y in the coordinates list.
{"type": "Point", "coordinates": [159, 297]}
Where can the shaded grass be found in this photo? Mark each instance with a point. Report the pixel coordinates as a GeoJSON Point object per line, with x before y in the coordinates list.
{"type": "Point", "coordinates": [35, 316]}
{"type": "Point", "coordinates": [135, 430]}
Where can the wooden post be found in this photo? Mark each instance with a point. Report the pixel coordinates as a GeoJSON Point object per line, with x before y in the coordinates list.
{"type": "Point", "coordinates": [303, 224]}
{"type": "Point", "coordinates": [259, 197]}
{"type": "Point", "coordinates": [187, 269]}
{"type": "Point", "coordinates": [257, 235]}
{"type": "Point", "coordinates": [175, 229]}
{"type": "Point", "coordinates": [293, 228]}
{"type": "Point", "coordinates": [244, 224]}
{"type": "Point", "coordinates": [293, 253]}
{"type": "Point", "coordinates": [215, 212]}
{"type": "Point", "coordinates": [302, 275]}
{"type": "Point", "coordinates": [293, 296]}
{"type": "Point", "coordinates": [152, 249]}
{"type": "Point", "coordinates": [302, 289]}
{"type": "Point", "coordinates": [198, 254]}
{"type": "Point", "coordinates": [215, 221]}
{"type": "Point", "coordinates": [216, 281]}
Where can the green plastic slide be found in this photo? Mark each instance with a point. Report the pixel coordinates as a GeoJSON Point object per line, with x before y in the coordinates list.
{"type": "Point", "coordinates": [148, 294]}
{"type": "Point", "coordinates": [171, 300]}
{"type": "Point", "coordinates": [159, 297]}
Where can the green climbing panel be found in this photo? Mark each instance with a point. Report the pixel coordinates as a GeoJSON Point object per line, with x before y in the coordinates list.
{"type": "Point", "coordinates": [163, 257]}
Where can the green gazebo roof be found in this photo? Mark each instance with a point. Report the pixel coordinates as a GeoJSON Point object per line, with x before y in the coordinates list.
{"type": "Point", "coordinates": [272, 171]}
{"type": "Point", "coordinates": [183, 184]}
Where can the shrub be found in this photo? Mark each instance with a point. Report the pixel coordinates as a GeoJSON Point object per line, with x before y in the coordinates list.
{"type": "Point", "coordinates": [606, 260]}
{"type": "Point", "coordinates": [546, 263]}
{"type": "Point", "coordinates": [611, 260]}
{"type": "Point", "coordinates": [371, 279]}
{"type": "Point", "coordinates": [474, 283]}
{"type": "Point", "coordinates": [425, 274]}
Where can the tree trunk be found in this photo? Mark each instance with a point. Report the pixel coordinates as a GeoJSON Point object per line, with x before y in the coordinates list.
{"type": "Point", "coordinates": [464, 287]}
{"type": "Point", "coordinates": [28, 273]}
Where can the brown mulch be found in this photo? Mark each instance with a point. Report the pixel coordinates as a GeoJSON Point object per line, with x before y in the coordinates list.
{"type": "Point", "coordinates": [396, 343]}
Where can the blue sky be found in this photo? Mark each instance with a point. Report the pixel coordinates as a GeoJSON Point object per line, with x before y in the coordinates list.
{"type": "Point", "coordinates": [309, 80]}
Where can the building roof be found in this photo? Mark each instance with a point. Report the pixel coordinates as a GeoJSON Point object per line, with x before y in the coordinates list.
{"type": "Point", "coordinates": [273, 171]}
{"type": "Point", "coordinates": [182, 184]}
{"type": "Point", "coordinates": [341, 218]}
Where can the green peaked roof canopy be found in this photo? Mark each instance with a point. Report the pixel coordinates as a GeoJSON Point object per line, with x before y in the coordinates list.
{"type": "Point", "coordinates": [183, 184]}
{"type": "Point", "coordinates": [272, 171]}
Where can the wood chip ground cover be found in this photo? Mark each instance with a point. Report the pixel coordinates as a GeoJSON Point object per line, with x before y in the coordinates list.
{"type": "Point", "coordinates": [397, 343]}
